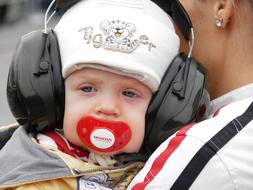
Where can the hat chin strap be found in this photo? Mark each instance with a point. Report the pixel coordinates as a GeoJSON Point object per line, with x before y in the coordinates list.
{"type": "Point", "coordinates": [101, 135]}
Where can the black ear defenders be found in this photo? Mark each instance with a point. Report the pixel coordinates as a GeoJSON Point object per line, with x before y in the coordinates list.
{"type": "Point", "coordinates": [35, 86]}
{"type": "Point", "coordinates": [35, 89]}
{"type": "Point", "coordinates": [182, 97]}
{"type": "Point", "coordinates": [180, 100]}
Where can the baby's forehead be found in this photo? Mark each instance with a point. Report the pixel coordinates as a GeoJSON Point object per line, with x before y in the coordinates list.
{"type": "Point", "coordinates": [95, 75]}
{"type": "Point", "coordinates": [99, 74]}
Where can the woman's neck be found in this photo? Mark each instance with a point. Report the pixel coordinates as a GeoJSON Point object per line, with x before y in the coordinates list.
{"type": "Point", "coordinates": [236, 66]}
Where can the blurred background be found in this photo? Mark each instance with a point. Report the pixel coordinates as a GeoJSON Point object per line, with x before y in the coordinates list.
{"type": "Point", "coordinates": [17, 17]}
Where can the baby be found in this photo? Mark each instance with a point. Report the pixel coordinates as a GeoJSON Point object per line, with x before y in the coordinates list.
{"type": "Point", "coordinates": [114, 55]}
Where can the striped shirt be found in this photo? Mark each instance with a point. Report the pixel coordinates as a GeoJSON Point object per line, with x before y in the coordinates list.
{"type": "Point", "coordinates": [214, 154]}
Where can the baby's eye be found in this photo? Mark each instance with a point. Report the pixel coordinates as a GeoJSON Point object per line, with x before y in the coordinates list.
{"type": "Point", "coordinates": [129, 93]}
{"type": "Point", "coordinates": [88, 89]}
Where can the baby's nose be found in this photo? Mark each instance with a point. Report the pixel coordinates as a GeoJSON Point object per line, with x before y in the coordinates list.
{"type": "Point", "coordinates": [109, 108]}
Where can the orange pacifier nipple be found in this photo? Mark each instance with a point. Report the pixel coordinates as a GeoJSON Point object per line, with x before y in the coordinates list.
{"type": "Point", "coordinates": [101, 135]}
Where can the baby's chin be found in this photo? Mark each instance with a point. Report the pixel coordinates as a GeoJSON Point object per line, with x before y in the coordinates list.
{"type": "Point", "coordinates": [122, 151]}
{"type": "Point", "coordinates": [105, 153]}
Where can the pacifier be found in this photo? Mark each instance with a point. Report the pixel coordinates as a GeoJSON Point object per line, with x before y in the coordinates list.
{"type": "Point", "coordinates": [102, 135]}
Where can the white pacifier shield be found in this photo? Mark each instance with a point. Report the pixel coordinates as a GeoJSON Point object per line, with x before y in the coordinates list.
{"type": "Point", "coordinates": [102, 138]}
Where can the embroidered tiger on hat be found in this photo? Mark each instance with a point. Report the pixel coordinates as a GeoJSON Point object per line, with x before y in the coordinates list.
{"type": "Point", "coordinates": [118, 36]}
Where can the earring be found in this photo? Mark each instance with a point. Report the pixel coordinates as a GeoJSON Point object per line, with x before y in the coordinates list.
{"type": "Point", "coordinates": [219, 22]}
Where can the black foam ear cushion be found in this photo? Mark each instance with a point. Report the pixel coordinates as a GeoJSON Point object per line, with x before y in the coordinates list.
{"type": "Point", "coordinates": [32, 88]}
{"type": "Point", "coordinates": [177, 101]}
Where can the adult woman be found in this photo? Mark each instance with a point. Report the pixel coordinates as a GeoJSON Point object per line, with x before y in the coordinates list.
{"type": "Point", "coordinates": [223, 42]}
{"type": "Point", "coordinates": [216, 153]}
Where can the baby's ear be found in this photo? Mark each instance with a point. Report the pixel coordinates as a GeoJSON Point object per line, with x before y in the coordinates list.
{"type": "Point", "coordinates": [105, 26]}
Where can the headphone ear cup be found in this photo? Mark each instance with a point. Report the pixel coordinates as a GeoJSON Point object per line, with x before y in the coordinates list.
{"type": "Point", "coordinates": [177, 102]}
{"type": "Point", "coordinates": [18, 83]}
{"type": "Point", "coordinates": [30, 87]}
{"type": "Point", "coordinates": [14, 98]}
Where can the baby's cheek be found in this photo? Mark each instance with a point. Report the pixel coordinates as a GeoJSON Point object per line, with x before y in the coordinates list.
{"type": "Point", "coordinates": [71, 134]}
{"type": "Point", "coordinates": [137, 138]}
{"type": "Point", "coordinates": [69, 129]}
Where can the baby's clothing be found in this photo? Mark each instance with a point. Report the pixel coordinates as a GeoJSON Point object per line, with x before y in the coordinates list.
{"type": "Point", "coordinates": [57, 139]}
{"type": "Point", "coordinates": [38, 163]}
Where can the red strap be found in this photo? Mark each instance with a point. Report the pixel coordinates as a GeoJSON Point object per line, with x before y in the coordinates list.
{"type": "Point", "coordinates": [74, 150]}
{"type": "Point", "coordinates": [217, 112]}
{"type": "Point", "coordinates": [77, 150]}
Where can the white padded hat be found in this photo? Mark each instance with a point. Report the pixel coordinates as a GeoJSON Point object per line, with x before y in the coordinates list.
{"type": "Point", "coordinates": [129, 37]}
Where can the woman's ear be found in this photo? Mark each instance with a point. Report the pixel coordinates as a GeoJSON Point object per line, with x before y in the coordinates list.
{"type": "Point", "coordinates": [223, 12]}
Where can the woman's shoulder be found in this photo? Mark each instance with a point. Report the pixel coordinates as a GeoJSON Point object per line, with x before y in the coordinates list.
{"type": "Point", "coordinates": [229, 114]}
{"type": "Point", "coordinates": [197, 151]}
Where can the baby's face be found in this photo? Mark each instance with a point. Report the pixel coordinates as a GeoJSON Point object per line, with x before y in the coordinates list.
{"type": "Point", "coordinates": [109, 97]}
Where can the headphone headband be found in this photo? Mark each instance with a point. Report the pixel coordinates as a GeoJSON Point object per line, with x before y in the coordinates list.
{"type": "Point", "coordinates": [173, 7]}
{"type": "Point", "coordinates": [61, 6]}
{"type": "Point", "coordinates": [177, 12]}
